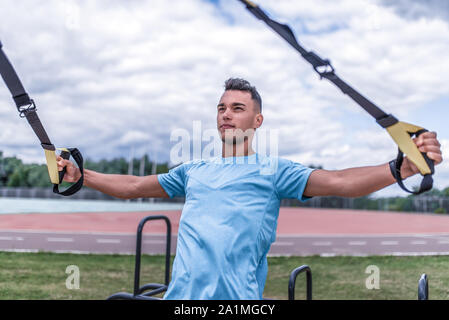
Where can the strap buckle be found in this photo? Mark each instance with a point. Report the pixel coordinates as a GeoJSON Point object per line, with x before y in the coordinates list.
{"type": "Point", "coordinates": [24, 109]}
{"type": "Point", "coordinates": [322, 66]}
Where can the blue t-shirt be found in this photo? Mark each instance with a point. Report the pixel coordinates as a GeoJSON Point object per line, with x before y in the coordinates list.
{"type": "Point", "coordinates": [228, 223]}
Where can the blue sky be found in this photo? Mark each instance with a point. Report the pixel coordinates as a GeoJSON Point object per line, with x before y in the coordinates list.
{"type": "Point", "coordinates": [117, 78]}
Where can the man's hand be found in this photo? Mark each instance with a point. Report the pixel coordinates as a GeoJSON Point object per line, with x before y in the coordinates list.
{"type": "Point", "coordinates": [426, 142]}
{"type": "Point", "coordinates": [72, 174]}
{"type": "Point", "coordinates": [357, 182]}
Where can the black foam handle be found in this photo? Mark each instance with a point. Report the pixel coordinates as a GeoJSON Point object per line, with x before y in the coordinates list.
{"type": "Point", "coordinates": [65, 155]}
{"type": "Point", "coordinates": [77, 185]}
{"type": "Point", "coordinates": [429, 162]}
{"type": "Point", "coordinates": [395, 166]}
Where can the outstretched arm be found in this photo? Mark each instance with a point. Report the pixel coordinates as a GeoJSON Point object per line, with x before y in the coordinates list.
{"type": "Point", "coordinates": [116, 185]}
{"type": "Point", "coordinates": [124, 186]}
{"type": "Point", "coordinates": [356, 182]}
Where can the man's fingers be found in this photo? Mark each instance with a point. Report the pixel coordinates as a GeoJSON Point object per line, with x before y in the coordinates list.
{"type": "Point", "coordinates": [424, 142]}
{"type": "Point", "coordinates": [430, 148]}
{"type": "Point", "coordinates": [61, 163]}
{"type": "Point", "coordinates": [429, 135]}
{"type": "Point", "coordinates": [437, 157]}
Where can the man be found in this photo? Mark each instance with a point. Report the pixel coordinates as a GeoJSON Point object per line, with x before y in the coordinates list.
{"type": "Point", "coordinates": [232, 202]}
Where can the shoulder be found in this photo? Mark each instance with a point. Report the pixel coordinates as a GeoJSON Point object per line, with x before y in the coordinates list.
{"type": "Point", "coordinates": [279, 163]}
{"type": "Point", "coordinates": [187, 165]}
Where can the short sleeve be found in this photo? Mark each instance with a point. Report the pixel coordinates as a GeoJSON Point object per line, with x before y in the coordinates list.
{"type": "Point", "coordinates": [291, 179]}
{"type": "Point", "coordinates": [173, 182]}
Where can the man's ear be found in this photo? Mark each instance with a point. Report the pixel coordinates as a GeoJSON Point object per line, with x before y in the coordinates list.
{"type": "Point", "coordinates": [259, 120]}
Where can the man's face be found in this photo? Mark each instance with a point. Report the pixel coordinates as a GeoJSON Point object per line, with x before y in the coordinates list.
{"type": "Point", "coordinates": [237, 114]}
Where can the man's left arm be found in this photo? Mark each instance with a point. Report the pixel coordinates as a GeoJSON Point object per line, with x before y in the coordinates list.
{"type": "Point", "coordinates": [357, 182]}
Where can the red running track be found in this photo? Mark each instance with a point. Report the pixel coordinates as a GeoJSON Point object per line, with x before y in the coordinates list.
{"type": "Point", "coordinates": [292, 221]}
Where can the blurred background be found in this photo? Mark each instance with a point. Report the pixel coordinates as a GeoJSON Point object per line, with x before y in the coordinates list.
{"type": "Point", "coordinates": [118, 79]}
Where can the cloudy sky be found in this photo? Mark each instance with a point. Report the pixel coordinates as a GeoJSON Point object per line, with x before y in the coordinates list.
{"type": "Point", "coordinates": [117, 78]}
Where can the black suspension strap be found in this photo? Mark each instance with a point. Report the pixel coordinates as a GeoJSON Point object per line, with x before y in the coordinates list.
{"type": "Point", "coordinates": [401, 132]}
{"type": "Point", "coordinates": [27, 109]}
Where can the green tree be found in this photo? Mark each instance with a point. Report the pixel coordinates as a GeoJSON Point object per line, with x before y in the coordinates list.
{"type": "Point", "coordinates": [446, 192]}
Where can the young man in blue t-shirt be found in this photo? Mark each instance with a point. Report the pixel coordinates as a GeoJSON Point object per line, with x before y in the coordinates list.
{"type": "Point", "coordinates": [232, 202]}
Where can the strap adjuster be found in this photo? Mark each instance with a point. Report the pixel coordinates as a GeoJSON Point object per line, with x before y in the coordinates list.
{"type": "Point", "coordinates": [24, 105]}
{"type": "Point", "coordinates": [387, 121]}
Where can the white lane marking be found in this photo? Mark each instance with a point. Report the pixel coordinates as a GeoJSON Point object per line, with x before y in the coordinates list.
{"type": "Point", "coordinates": [328, 254]}
{"type": "Point", "coordinates": [59, 239]}
{"type": "Point", "coordinates": [20, 250]}
{"type": "Point", "coordinates": [282, 243]}
{"type": "Point", "coordinates": [443, 241]}
{"type": "Point", "coordinates": [389, 243]}
{"type": "Point", "coordinates": [322, 243]}
{"type": "Point", "coordinates": [108, 241]}
{"type": "Point", "coordinates": [11, 238]}
{"type": "Point", "coordinates": [358, 235]}
{"type": "Point", "coordinates": [418, 242]}
{"type": "Point", "coordinates": [357, 243]}
{"type": "Point", "coordinates": [415, 254]}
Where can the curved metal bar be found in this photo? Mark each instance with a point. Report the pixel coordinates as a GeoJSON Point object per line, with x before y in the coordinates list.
{"type": "Point", "coordinates": [121, 296]}
{"type": "Point", "coordinates": [139, 250]}
{"type": "Point", "coordinates": [151, 286]}
{"type": "Point", "coordinates": [292, 282]}
{"type": "Point", "coordinates": [142, 297]}
{"type": "Point", "coordinates": [154, 292]}
{"type": "Point", "coordinates": [423, 288]}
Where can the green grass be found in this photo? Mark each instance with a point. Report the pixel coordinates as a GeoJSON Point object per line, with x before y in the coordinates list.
{"type": "Point", "coordinates": [42, 276]}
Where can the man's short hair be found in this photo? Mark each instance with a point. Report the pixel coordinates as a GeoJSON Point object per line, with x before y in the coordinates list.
{"type": "Point", "coordinates": [244, 85]}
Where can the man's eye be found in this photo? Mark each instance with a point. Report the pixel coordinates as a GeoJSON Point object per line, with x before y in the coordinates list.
{"type": "Point", "coordinates": [238, 108]}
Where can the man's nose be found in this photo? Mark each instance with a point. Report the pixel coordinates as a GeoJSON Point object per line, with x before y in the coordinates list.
{"type": "Point", "coordinates": [226, 114]}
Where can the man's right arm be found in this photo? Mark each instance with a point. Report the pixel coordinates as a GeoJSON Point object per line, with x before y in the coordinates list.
{"type": "Point", "coordinates": [116, 185]}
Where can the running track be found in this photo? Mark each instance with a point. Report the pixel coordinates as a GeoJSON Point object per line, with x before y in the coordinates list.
{"type": "Point", "coordinates": [301, 231]}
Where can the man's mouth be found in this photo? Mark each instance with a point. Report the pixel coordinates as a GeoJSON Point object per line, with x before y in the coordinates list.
{"type": "Point", "coordinates": [226, 126]}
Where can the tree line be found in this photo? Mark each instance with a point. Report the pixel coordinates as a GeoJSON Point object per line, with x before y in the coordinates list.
{"type": "Point", "coordinates": [14, 173]}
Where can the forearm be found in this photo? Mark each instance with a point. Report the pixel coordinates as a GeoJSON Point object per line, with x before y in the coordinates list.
{"type": "Point", "coordinates": [116, 185]}
{"type": "Point", "coordinates": [357, 182]}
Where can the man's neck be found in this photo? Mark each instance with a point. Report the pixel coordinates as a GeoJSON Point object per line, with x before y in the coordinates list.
{"type": "Point", "coordinates": [236, 150]}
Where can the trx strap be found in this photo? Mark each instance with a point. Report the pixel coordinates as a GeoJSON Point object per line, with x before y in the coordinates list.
{"type": "Point", "coordinates": [27, 109]}
{"type": "Point", "coordinates": [401, 132]}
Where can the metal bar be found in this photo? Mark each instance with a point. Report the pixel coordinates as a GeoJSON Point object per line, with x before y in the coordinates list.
{"type": "Point", "coordinates": [292, 282]}
{"type": "Point", "coordinates": [423, 288]}
{"type": "Point", "coordinates": [139, 250]}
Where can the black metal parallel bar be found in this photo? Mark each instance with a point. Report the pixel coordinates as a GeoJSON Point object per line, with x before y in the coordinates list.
{"type": "Point", "coordinates": [139, 251]}
{"type": "Point", "coordinates": [423, 288]}
{"type": "Point", "coordinates": [292, 282]}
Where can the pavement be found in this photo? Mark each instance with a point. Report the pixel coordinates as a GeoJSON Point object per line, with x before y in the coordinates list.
{"type": "Point", "coordinates": [300, 232]}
